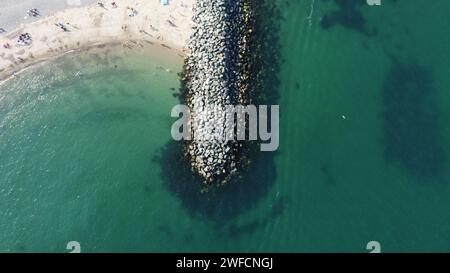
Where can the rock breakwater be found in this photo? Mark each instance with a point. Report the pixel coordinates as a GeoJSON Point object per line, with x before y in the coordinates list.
{"type": "Point", "coordinates": [216, 75]}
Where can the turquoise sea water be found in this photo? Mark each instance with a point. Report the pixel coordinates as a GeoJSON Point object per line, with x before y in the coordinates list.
{"type": "Point", "coordinates": [78, 151]}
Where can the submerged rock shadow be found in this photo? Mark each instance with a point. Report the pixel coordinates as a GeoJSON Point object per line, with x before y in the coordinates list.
{"type": "Point", "coordinates": [348, 16]}
{"type": "Point", "coordinates": [412, 132]}
{"type": "Point", "coordinates": [217, 203]}
{"type": "Point", "coordinates": [236, 230]}
{"type": "Point", "coordinates": [222, 203]}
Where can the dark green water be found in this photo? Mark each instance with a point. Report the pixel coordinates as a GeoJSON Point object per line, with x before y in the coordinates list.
{"type": "Point", "coordinates": [77, 151]}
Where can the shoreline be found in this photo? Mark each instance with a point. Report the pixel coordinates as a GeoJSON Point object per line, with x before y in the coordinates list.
{"type": "Point", "coordinates": [158, 48]}
{"type": "Point", "coordinates": [94, 26]}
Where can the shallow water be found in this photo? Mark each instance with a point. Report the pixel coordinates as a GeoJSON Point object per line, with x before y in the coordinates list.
{"type": "Point", "coordinates": [76, 144]}
{"type": "Point", "coordinates": [79, 151]}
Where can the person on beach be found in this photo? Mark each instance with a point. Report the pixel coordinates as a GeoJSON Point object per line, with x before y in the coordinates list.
{"type": "Point", "coordinates": [62, 26]}
{"type": "Point", "coordinates": [33, 12]}
{"type": "Point", "coordinates": [132, 12]}
{"type": "Point", "coordinates": [114, 5]}
{"type": "Point", "coordinates": [25, 39]}
{"type": "Point", "coordinates": [7, 46]}
{"type": "Point", "coordinates": [171, 23]}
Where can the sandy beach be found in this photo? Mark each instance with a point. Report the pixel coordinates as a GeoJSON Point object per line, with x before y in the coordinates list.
{"type": "Point", "coordinates": [13, 12]}
{"type": "Point", "coordinates": [131, 22]}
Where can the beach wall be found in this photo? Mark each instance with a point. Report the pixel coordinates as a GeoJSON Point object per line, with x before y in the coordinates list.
{"type": "Point", "coordinates": [214, 78]}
